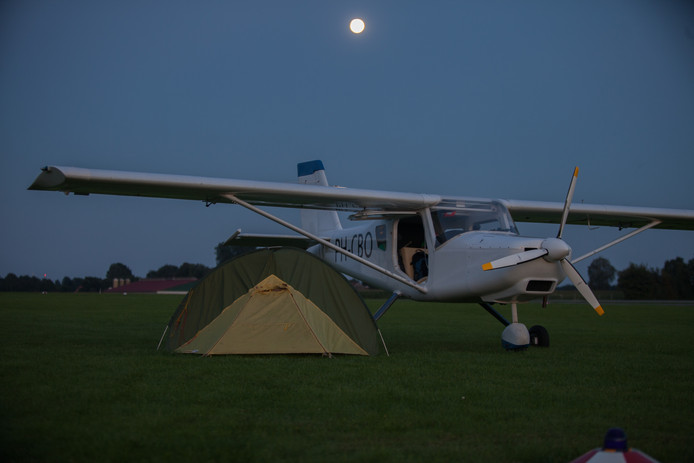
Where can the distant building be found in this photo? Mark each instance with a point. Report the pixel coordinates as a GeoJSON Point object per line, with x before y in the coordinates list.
{"type": "Point", "coordinates": [153, 285]}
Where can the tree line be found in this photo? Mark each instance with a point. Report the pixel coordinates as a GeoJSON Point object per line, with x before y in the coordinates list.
{"type": "Point", "coordinates": [25, 283]}
{"type": "Point", "coordinates": [675, 280]}
{"type": "Point", "coordinates": [12, 282]}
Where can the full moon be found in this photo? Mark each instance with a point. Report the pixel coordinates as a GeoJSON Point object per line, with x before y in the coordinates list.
{"type": "Point", "coordinates": [357, 26]}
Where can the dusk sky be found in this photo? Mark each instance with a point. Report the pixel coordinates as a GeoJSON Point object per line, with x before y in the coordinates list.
{"type": "Point", "coordinates": [496, 99]}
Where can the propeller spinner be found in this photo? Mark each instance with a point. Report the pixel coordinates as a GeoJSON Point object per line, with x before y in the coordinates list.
{"type": "Point", "coordinates": [554, 250]}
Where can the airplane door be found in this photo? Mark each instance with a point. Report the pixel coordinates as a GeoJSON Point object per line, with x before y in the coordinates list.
{"type": "Point", "coordinates": [411, 250]}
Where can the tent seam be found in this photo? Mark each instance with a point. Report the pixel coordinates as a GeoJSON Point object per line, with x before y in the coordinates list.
{"type": "Point", "coordinates": [310, 329]}
{"type": "Point", "coordinates": [349, 338]}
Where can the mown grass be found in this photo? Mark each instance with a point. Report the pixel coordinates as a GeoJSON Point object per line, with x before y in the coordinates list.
{"type": "Point", "coordinates": [82, 381]}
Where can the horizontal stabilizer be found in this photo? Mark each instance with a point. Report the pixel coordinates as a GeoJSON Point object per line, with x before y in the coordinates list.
{"type": "Point", "coordinates": [268, 241]}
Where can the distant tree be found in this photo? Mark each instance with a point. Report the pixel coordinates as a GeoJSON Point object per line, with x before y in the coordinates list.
{"type": "Point", "coordinates": [186, 270]}
{"type": "Point", "coordinates": [46, 285]}
{"type": "Point", "coordinates": [638, 282]}
{"type": "Point", "coordinates": [676, 280]}
{"type": "Point", "coordinates": [9, 283]}
{"type": "Point", "coordinates": [224, 253]}
{"type": "Point", "coordinates": [67, 284]}
{"type": "Point", "coordinates": [192, 270]}
{"type": "Point", "coordinates": [165, 271]}
{"type": "Point", "coordinates": [119, 270]}
{"type": "Point", "coordinates": [78, 282]}
{"type": "Point", "coordinates": [93, 284]}
{"type": "Point", "coordinates": [601, 273]}
{"type": "Point", "coordinates": [27, 283]}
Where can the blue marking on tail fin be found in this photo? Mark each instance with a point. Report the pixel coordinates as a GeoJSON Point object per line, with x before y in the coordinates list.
{"type": "Point", "coordinates": [309, 167]}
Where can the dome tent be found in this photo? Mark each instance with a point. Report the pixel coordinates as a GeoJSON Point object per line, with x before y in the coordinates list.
{"type": "Point", "coordinates": [279, 300]}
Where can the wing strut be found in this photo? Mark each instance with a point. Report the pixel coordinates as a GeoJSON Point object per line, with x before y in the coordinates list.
{"type": "Point", "coordinates": [617, 241]}
{"type": "Point", "coordinates": [487, 306]}
{"type": "Point", "coordinates": [325, 243]}
{"type": "Point", "coordinates": [380, 312]}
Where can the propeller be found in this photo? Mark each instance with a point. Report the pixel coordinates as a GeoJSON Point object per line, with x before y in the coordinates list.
{"type": "Point", "coordinates": [515, 259]}
{"type": "Point", "coordinates": [567, 202]}
{"type": "Point", "coordinates": [581, 285]}
{"type": "Point", "coordinates": [554, 250]}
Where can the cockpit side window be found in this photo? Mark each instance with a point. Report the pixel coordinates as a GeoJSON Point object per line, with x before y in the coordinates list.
{"type": "Point", "coordinates": [452, 218]}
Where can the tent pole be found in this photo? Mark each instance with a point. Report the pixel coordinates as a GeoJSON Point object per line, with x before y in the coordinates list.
{"type": "Point", "coordinates": [380, 312]}
{"type": "Point", "coordinates": [162, 336]}
{"type": "Point", "coordinates": [383, 341]}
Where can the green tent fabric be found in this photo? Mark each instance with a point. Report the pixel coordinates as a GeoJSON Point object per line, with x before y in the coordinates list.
{"type": "Point", "coordinates": [233, 306]}
{"type": "Point", "coordinates": [271, 318]}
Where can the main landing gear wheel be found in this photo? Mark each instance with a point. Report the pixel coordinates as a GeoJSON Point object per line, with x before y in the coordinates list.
{"type": "Point", "coordinates": [539, 336]}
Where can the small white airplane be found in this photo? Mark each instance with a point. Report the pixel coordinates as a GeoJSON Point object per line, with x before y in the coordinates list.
{"type": "Point", "coordinates": [420, 246]}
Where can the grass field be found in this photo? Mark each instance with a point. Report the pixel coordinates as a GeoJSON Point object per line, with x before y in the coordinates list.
{"type": "Point", "coordinates": [82, 381]}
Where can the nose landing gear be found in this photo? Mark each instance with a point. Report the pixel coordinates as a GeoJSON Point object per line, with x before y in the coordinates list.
{"type": "Point", "coordinates": [516, 336]}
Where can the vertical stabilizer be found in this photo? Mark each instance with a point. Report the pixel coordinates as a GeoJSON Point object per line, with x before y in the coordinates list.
{"type": "Point", "coordinates": [319, 223]}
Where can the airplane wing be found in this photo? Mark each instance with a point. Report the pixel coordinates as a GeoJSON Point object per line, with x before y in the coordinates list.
{"type": "Point", "coordinates": [600, 215]}
{"type": "Point", "coordinates": [212, 190]}
{"type": "Point", "coordinates": [85, 181]}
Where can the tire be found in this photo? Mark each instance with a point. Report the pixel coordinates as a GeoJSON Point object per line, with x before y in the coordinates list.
{"type": "Point", "coordinates": [539, 337]}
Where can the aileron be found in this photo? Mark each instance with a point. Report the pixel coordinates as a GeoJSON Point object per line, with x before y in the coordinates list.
{"type": "Point", "coordinates": [601, 215]}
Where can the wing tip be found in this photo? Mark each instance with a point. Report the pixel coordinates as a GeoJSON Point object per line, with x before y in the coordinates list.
{"type": "Point", "coordinates": [50, 179]}
{"type": "Point", "coordinates": [487, 266]}
{"type": "Point", "coordinates": [599, 310]}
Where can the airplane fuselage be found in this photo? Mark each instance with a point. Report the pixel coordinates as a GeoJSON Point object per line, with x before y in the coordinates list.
{"type": "Point", "coordinates": [443, 251]}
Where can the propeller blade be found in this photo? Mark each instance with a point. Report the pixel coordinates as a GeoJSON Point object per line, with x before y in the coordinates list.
{"type": "Point", "coordinates": [515, 259]}
{"type": "Point", "coordinates": [567, 202]}
{"type": "Point", "coordinates": [581, 285]}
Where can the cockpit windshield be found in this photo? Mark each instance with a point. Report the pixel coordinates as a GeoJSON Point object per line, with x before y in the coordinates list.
{"type": "Point", "coordinates": [453, 217]}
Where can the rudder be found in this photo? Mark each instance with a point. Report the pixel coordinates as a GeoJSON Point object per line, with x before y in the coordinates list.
{"type": "Point", "coordinates": [319, 223]}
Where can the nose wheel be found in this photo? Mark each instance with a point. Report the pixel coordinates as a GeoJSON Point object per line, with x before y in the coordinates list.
{"type": "Point", "coordinates": [515, 336]}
